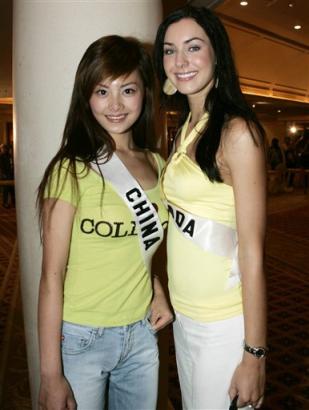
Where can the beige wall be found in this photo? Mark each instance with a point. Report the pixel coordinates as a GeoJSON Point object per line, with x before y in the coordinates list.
{"type": "Point", "coordinates": [274, 128]}
{"type": "Point", "coordinates": [269, 67]}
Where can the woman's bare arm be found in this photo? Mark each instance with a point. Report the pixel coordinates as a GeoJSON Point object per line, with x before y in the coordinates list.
{"type": "Point", "coordinates": [55, 392]}
{"type": "Point", "coordinates": [246, 163]}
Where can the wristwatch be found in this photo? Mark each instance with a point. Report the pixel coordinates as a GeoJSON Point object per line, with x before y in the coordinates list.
{"type": "Point", "coordinates": [258, 351]}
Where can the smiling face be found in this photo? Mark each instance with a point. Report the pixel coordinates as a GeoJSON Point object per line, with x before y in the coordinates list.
{"type": "Point", "coordinates": [117, 104]}
{"type": "Point", "coordinates": [189, 59]}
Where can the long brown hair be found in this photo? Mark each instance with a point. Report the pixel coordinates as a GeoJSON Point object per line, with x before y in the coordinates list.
{"type": "Point", "coordinates": [84, 139]}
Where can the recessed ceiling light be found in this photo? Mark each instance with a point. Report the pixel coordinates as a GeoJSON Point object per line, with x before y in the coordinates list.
{"type": "Point", "coordinates": [253, 105]}
{"type": "Point", "coordinates": [297, 27]}
{"type": "Point", "coordinates": [278, 111]}
{"type": "Point", "coordinates": [243, 3]}
{"type": "Point", "coordinates": [293, 129]}
{"type": "Point", "coordinates": [291, 5]}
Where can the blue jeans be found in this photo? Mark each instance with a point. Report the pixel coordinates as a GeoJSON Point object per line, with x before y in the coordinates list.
{"type": "Point", "coordinates": [118, 364]}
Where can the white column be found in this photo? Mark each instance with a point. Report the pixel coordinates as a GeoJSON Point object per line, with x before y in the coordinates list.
{"type": "Point", "coordinates": [49, 39]}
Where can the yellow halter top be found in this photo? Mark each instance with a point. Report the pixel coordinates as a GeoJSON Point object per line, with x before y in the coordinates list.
{"type": "Point", "coordinates": [197, 278]}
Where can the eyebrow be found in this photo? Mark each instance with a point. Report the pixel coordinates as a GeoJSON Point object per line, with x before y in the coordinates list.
{"type": "Point", "coordinates": [122, 86]}
{"type": "Point", "coordinates": [130, 83]}
{"type": "Point", "coordinates": [187, 41]}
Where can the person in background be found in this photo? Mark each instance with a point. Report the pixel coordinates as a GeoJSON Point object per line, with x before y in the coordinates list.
{"type": "Point", "coordinates": [290, 160]}
{"type": "Point", "coordinates": [215, 186]}
{"type": "Point", "coordinates": [289, 152]}
{"type": "Point", "coordinates": [276, 157]}
{"type": "Point", "coordinates": [7, 174]}
{"type": "Point", "coordinates": [277, 165]}
{"type": "Point", "coordinates": [102, 220]}
{"type": "Point", "coordinates": [302, 150]}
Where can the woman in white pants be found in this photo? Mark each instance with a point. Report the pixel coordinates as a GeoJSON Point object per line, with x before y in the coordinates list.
{"type": "Point", "coordinates": [214, 184]}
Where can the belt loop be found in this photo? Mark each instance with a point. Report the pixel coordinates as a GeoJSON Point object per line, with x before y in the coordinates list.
{"type": "Point", "coordinates": [100, 331]}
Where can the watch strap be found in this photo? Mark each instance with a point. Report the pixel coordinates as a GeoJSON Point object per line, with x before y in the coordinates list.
{"type": "Point", "coordinates": [258, 351]}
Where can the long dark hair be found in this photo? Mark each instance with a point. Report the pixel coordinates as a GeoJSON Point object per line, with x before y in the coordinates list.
{"type": "Point", "coordinates": [224, 101]}
{"type": "Point", "coordinates": [84, 139]}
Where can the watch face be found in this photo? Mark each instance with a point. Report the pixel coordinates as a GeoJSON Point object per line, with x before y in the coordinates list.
{"type": "Point", "coordinates": [260, 352]}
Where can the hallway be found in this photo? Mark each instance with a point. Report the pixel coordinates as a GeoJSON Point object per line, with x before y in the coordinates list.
{"type": "Point", "coordinates": [287, 248]}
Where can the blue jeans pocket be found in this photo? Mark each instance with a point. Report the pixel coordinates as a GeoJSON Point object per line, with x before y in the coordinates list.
{"type": "Point", "coordinates": [149, 327]}
{"type": "Point", "coordinates": [76, 339]}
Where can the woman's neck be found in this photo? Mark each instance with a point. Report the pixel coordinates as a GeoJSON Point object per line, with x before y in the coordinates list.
{"type": "Point", "coordinates": [123, 142]}
{"type": "Point", "coordinates": [197, 109]}
{"type": "Point", "coordinates": [197, 103]}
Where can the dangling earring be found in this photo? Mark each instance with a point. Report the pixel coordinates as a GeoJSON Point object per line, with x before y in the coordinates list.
{"type": "Point", "coordinates": [169, 88]}
{"type": "Point", "coordinates": [217, 82]}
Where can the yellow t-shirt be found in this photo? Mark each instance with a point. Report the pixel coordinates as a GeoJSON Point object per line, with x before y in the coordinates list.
{"type": "Point", "coordinates": [197, 278]}
{"type": "Point", "coordinates": [107, 282]}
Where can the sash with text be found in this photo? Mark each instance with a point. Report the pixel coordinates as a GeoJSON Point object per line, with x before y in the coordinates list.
{"type": "Point", "coordinates": [209, 235]}
{"type": "Point", "coordinates": [150, 230]}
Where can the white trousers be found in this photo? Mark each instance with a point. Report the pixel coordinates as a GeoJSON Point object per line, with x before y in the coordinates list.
{"type": "Point", "coordinates": [207, 355]}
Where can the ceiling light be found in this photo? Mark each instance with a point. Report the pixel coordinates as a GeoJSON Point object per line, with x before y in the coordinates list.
{"type": "Point", "coordinates": [293, 129]}
{"type": "Point", "coordinates": [278, 111]}
{"type": "Point", "coordinates": [291, 5]}
{"type": "Point", "coordinates": [297, 27]}
{"type": "Point", "coordinates": [253, 105]}
{"type": "Point", "coordinates": [243, 3]}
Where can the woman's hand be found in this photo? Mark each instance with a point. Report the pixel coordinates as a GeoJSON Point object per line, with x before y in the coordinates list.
{"type": "Point", "coordinates": [161, 314]}
{"type": "Point", "coordinates": [56, 394]}
{"type": "Point", "coordinates": [248, 382]}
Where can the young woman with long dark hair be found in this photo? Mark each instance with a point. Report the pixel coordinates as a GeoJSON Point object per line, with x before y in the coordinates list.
{"type": "Point", "coordinates": [214, 183]}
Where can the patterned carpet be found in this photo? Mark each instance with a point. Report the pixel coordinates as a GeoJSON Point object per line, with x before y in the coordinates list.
{"type": "Point", "coordinates": [287, 248]}
{"type": "Point", "coordinates": [287, 264]}
{"type": "Point", "coordinates": [14, 386]}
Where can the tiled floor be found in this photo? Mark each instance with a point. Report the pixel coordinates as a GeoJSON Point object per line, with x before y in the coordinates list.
{"type": "Point", "coordinates": [287, 271]}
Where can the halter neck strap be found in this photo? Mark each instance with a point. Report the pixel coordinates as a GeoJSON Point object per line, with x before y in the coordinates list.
{"type": "Point", "coordinates": [185, 141]}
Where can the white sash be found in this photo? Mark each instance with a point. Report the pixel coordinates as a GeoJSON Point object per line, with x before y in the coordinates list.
{"type": "Point", "coordinates": [150, 230]}
{"type": "Point", "coordinates": [211, 236]}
